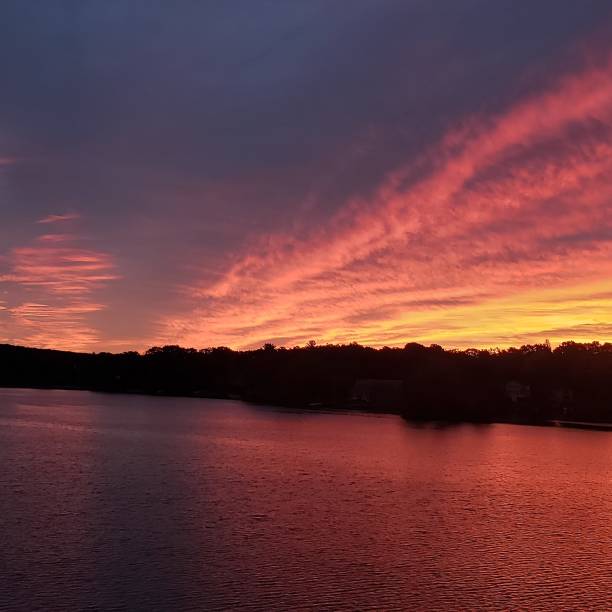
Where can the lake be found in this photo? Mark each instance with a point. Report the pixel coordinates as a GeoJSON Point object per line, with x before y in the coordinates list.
{"type": "Point", "coordinates": [148, 503]}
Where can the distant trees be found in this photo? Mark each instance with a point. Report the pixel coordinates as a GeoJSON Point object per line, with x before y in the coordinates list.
{"type": "Point", "coordinates": [572, 381]}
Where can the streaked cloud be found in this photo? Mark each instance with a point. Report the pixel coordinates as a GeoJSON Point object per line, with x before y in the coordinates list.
{"type": "Point", "coordinates": [51, 284]}
{"type": "Point", "coordinates": [283, 173]}
{"type": "Point", "coordinates": [507, 204]}
{"type": "Point", "coordinates": [58, 218]}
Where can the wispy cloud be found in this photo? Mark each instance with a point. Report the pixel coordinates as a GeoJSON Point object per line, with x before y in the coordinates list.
{"type": "Point", "coordinates": [51, 285]}
{"type": "Point", "coordinates": [58, 218]}
{"type": "Point", "coordinates": [508, 204]}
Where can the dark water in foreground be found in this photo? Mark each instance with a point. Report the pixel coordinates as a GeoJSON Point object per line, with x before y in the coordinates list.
{"type": "Point", "coordinates": [119, 502]}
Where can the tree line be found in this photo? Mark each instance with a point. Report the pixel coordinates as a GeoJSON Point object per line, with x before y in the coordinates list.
{"type": "Point", "coordinates": [532, 383]}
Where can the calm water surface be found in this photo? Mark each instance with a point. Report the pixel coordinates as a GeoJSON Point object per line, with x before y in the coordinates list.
{"type": "Point", "coordinates": [139, 503]}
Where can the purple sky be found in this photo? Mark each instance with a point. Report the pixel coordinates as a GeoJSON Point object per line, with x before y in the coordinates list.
{"type": "Point", "coordinates": [238, 172]}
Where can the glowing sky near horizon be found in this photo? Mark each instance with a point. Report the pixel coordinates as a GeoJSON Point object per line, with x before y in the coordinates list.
{"type": "Point", "coordinates": [235, 173]}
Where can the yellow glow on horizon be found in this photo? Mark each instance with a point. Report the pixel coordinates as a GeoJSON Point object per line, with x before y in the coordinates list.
{"type": "Point", "coordinates": [580, 313]}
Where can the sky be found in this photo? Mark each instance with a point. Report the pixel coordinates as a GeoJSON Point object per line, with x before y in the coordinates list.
{"type": "Point", "coordinates": [237, 172]}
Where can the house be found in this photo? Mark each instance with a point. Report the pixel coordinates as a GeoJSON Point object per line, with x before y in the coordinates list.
{"type": "Point", "coordinates": [562, 399]}
{"type": "Point", "coordinates": [517, 391]}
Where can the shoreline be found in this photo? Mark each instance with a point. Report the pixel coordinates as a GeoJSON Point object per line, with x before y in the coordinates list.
{"type": "Point", "coordinates": [566, 424]}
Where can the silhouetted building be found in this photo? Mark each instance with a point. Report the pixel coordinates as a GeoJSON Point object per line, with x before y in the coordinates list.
{"type": "Point", "coordinates": [516, 391]}
{"type": "Point", "coordinates": [562, 399]}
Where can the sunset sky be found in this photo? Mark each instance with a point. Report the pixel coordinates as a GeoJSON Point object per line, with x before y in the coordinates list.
{"type": "Point", "coordinates": [235, 172]}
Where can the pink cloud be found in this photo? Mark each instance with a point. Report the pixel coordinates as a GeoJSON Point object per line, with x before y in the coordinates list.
{"type": "Point", "coordinates": [51, 284]}
{"type": "Point", "coordinates": [58, 218]}
{"type": "Point", "coordinates": [512, 203]}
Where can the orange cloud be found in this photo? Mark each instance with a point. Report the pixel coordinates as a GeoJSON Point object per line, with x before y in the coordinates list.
{"type": "Point", "coordinates": [50, 285]}
{"type": "Point", "coordinates": [510, 208]}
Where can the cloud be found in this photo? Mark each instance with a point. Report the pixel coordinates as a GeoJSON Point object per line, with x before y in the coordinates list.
{"type": "Point", "coordinates": [51, 284]}
{"type": "Point", "coordinates": [256, 179]}
{"type": "Point", "coordinates": [502, 205]}
{"type": "Point", "coordinates": [58, 218]}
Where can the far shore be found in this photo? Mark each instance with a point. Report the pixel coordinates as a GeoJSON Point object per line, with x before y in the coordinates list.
{"type": "Point", "coordinates": [339, 408]}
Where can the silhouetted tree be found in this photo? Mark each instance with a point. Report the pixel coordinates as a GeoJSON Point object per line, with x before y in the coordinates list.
{"type": "Point", "coordinates": [570, 382]}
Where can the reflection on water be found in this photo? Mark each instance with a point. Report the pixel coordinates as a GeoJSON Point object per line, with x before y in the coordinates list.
{"type": "Point", "coordinates": [127, 502]}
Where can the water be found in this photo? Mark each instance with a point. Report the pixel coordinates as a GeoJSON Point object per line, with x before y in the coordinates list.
{"type": "Point", "coordinates": [138, 503]}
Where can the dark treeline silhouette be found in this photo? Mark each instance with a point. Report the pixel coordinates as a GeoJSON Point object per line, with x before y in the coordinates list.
{"type": "Point", "coordinates": [532, 383]}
